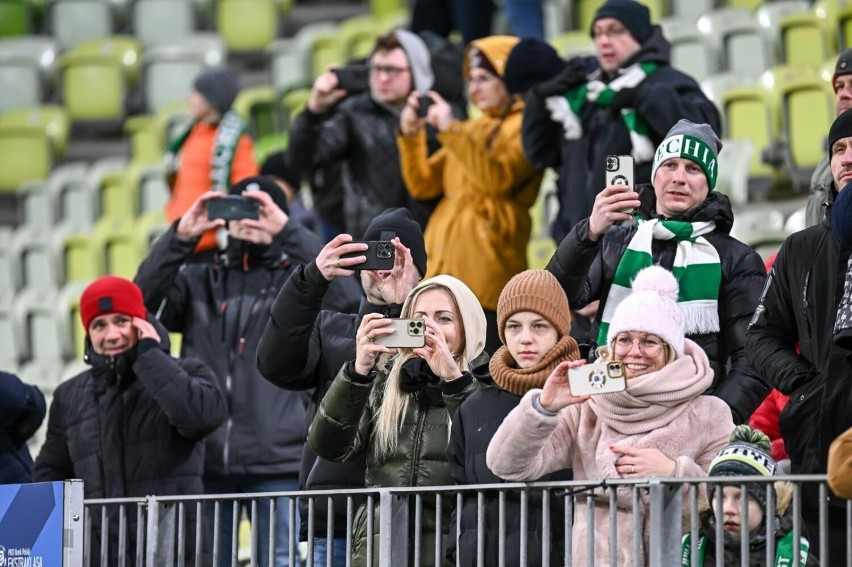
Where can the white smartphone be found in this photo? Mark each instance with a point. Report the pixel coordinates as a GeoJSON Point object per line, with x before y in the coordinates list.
{"type": "Point", "coordinates": [408, 333]}
{"type": "Point", "coordinates": [619, 171]}
{"type": "Point", "coordinates": [597, 378]}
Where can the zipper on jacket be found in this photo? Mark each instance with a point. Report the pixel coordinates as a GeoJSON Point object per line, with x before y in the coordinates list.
{"type": "Point", "coordinates": [415, 448]}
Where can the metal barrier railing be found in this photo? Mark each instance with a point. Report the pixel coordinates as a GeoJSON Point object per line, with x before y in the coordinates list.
{"type": "Point", "coordinates": [161, 531]}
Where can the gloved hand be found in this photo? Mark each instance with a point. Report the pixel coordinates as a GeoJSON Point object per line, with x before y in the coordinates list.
{"type": "Point", "coordinates": [574, 74]}
{"type": "Point", "coordinates": [624, 98]}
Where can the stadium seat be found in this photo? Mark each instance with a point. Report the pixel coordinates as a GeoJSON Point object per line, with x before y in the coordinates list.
{"type": "Point", "coordinates": [804, 40]}
{"type": "Point", "coordinates": [8, 265]}
{"type": "Point", "coordinates": [159, 22]}
{"type": "Point", "coordinates": [15, 18]}
{"type": "Point", "coordinates": [762, 229]}
{"type": "Point", "coordinates": [153, 189]}
{"type": "Point", "coordinates": [690, 10]}
{"type": "Point", "coordinates": [573, 44]}
{"type": "Point", "coordinates": [844, 28]}
{"type": "Point", "coordinates": [796, 221]}
{"type": "Point", "coordinates": [113, 238]}
{"type": "Point", "coordinates": [35, 254]}
{"type": "Point", "coordinates": [690, 52]}
{"type": "Point", "coordinates": [748, 114]}
{"type": "Point", "coordinates": [148, 228]}
{"type": "Point", "coordinates": [51, 119]}
{"type": "Point", "coordinates": [246, 25]}
{"type": "Point", "coordinates": [13, 350]}
{"type": "Point", "coordinates": [81, 258]}
{"type": "Point", "coordinates": [71, 328]}
{"type": "Point", "coordinates": [769, 16]}
{"type": "Point", "coordinates": [25, 154]}
{"type": "Point", "coordinates": [125, 49]}
{"type": "Point", "coordinates": [40, 50]}
{"type": "Point", "coordinates": [259, 108]}
{"type": "Point", "coordinates": [36, 205]}
{"type": "Point", "coordinates": [36, 317]}
{"type": "Point", "coordinates": [20, 82]}
{"type": "Point", "coordinates": [716, 85]}
{"type": "Point", "coordinates": [43, 373]}
{"type": "Point", "coordinates": [168, 72]}
{"type": "Point", "coordinates": [75, 205]}
{"type": "Point", "coordinates": [94, 86]}
{"type": "Point", "coordinates": [74, 21]}
{"type": "Point", "coordinates": [734, 163]}
{"type": "Point", "coordinates": [741, 45]}
{"type": "Point", "coordinates": [98, 173]}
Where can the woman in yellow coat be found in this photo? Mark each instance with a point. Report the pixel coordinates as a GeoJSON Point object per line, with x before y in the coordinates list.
{"type": "Point", "coordinates": [480, 228]}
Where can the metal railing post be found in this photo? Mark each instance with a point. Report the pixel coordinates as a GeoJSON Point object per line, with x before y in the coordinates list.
{"type": "Point", "coordinates": [73, 523]}
{"type": "Point", "coordinates": [160, 533]}
{"type": "Point", "coordinates": [393, 529]}
{"type": "Point", "coordinates": [665, 524]}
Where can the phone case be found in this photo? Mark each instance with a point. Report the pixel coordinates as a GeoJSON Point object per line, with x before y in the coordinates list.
{"type": "Point", "coordinates": [233, 207]}
{"type": "Point", "coordinates": [597, 378]}
{"type": "Point", "coordinates": [409, 333]}
{"type": "Point", "coordinates": [619, 171]}
{"type": "Point", "coordinates": [380, 255]}
{"type": "Point", "coordinates": [352, 79]}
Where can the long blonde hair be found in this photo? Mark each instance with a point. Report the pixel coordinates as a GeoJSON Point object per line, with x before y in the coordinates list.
{"type": "Point", "coordinates": [395, 402]}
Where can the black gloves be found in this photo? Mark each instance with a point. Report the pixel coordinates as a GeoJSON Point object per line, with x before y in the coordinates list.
{"type": "Point", "coordinates": [575, 73]}
{"type": "Point", "coordinates": [623, 99]}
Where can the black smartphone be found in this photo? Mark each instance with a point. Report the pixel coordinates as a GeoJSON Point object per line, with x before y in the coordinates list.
{"type": "Point", "coordinates": [424, 102]}
{"type": "Point", "coordinates": [353, 79]}
{"type": "Point", "coordinates": [233, 207]}
{"type": "Point", "coordinates": [380, 255]}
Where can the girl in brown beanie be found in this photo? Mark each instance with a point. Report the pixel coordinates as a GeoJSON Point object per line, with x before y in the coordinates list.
{"type": "Point", "coordinates": [534, 322]}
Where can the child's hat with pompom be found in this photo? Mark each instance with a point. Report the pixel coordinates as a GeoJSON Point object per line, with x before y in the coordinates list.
{"type": "Point", "coordinates": [748, 454]}
{"type": "Point", "coordinates": [652, 308]}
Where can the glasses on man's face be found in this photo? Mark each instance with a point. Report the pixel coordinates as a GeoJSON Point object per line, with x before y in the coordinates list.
{"type": "Point", "coordinates": [390, 71]}
{"type": "Point", "coordinates": [612, 32]}
{"type": "Point", "coordinates": [648, 345]}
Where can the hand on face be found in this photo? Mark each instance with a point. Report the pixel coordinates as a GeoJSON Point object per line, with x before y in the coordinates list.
{"type": "Point", "coordinates": [437, 353]}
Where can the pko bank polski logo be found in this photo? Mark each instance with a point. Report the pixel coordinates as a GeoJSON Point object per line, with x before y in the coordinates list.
{"type": "Point", "coordinates": [2, 556]}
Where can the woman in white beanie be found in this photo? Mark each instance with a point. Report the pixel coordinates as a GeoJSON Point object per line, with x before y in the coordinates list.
{"type": "Point", "coordinates": [394, 406]}
{"type": "Point", "coordinates": [633, 434]}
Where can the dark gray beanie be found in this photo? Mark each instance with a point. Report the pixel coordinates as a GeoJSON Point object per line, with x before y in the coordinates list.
{"type": "Point", "coordinates": [220, 86]}
{"type": "Point", "coordinates": [841, 128]}
{"type": "Point", "coordinates": [635, 16]}
{"type": "Point", "coordinates": [695, 142]}
{"type": "Point", "coordinates": [391, 223]}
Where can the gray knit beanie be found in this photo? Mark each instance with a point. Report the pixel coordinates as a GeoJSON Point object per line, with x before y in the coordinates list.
{"type": "Point", "coordinates": [220, 86]}
{"type": "Point", "coordinates": [695, 142]}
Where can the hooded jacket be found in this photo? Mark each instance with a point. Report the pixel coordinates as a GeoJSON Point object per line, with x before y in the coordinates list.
{"type": "Point", "coordinates": [221, 309]}
{"type": "Point", "coordinates": [586, 268]}
{"type": "Point", "coordinates": [663, 98]}
{"type": "Point", "coordinates": [481, 226]}
{"type": "Point", "coordinates": [360, 133]}
{"type": "Point", "coordinates": [22, 409]}
{"type": "Point", "coordinates": [132, 425]}
{"type": "Point", "coordinates": [344, 426]}
{"type": "Point", "coordinates": [654, 412]}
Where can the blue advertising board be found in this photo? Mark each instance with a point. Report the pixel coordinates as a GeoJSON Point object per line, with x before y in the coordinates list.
{"type": "Point", "coordinates": [31, 524]}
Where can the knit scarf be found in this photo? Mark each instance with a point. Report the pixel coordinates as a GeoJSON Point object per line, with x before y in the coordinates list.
{"type": "Point", "coordinates": [228, 133]}
{"type": "Point", "coordinates": [568, 109]}
{"type": "Point", "coordinates": [783, 551]}
{"type": "Point", "coordinates": [654, 400]}
{"type": "Point", "coordinates": [520, 380]}
{"type": "Point", "coordinates": [696, 268]}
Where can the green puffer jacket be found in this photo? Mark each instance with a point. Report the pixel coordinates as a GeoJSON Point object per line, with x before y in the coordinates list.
{"type": "Point", "coordinates": [343, 428]}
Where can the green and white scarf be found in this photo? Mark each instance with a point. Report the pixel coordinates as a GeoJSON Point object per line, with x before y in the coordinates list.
{"type": "Point", "coordinates": [696, 268]}
{"type": "Point", "coordinates": [567, 109]}
{"type": "Point", "coordinates": [783, 550]}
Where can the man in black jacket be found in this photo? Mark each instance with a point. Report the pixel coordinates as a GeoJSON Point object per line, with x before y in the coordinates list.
{"type": "Point", "coordinates": [133, 424]}
{"type": "Point", "coordinates": [683, 226]}
{"type": "Point", "coordinates": [359, 130]}
{"type": "Point", "coordinates": [621, 101]}
{"type": "Point", "coordinates": [806, 303]}
{"type": "Point", "coordinates": [220, 307]}
{"type": "Point", "coordinates": [304, 347]}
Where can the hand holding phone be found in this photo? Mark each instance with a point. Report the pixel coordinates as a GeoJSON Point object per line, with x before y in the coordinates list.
{"type": "Point", "coordinates": [620, 171]}
{"type": "Point", "coordinates": [597, 378]}
{"type": "Point", "coordinates": [424, 101]}
{"type": "Point", "coordinates": [379, 254]}
{"type": "Point", "coordinates": [233, 207]}
{"type": "Point", "coordinates": [407, 333]}
{"type": "Point", "coordinates": [353, 79]}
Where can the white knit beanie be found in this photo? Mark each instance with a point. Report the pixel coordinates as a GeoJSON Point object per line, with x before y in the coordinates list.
{"type": "Point", "coordinates": [651, 308]}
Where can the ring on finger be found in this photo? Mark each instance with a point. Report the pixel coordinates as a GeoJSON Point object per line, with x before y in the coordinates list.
{"type": "Point", "coordinates": [632, 469]}
{"type": "Point", "coordinates": [369, 337]}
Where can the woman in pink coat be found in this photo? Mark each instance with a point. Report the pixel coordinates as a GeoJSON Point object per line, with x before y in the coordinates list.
{"type": "Point", "coordinates": [660, 426]}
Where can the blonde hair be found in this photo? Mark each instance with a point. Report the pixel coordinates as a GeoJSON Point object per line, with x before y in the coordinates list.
{"type": "Point", "coordinates": [394, 401]}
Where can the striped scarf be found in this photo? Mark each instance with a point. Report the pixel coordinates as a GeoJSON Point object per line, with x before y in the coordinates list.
{"type": "Point", "coordinates": [567, 109]}
{"type": "Point", "coordinates": [696, 268]}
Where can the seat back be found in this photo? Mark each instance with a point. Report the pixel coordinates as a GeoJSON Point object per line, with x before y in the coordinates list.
{"type": "Point", "coordinates": [159, 22]}
{"type": "Point", "coordinates": [734, 163]}
{"type": "Point", "coordinates": [74, 21]}
{"type": "Point", "coordinates": [749, 115]}
{"type": "Point", "coordinates": [93, 87]}
{"type": "Point", "coordinates": [36, 203]}
{"type": "Point", "coordinates": [71, 327]}
{"type": "Point", "coordinates": [246, 25]}
{"type": "Point", "coordinates": [20, 83]}
{"type": "Point", "coordinates": [168, 73]}
{"type": "Point", "coordinates": [804, 40]}
{"type": "Point", "coordinates": [9, 269]}
{"type": "Point", "coordinates": [37, 319]}
{"type": "Point", "coordinates": [25, 155]}
{"type": "Point", "coordinates": [114, 239]}
{"type": "Point", "coordinates": [36, 256]}
{"type": "Point", "coordinates": [13, 351]}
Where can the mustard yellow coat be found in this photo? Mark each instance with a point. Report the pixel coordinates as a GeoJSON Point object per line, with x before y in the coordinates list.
{"type": "Point", "coordinates": [480, 228]}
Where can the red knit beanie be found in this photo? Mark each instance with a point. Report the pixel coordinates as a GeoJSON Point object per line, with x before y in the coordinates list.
{"type": "Point", "coordinates": [110, 294]}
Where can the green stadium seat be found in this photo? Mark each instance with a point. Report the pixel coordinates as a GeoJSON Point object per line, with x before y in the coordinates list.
{"type": "Point", "coordinates": [769, 16]}
{"type": "Point", "coordinates": [125, 49]}
{"type": "Point", "coordinates": [15, 18]}
{"type": "Point", "coordinates": [573, 44]}
{"type": "Point", "coordinates": [114, 239]}
{"type": "Point", "coordinates": [81, 258]}
{"type": "Point", "coordinates": [25, 154]}
{"type": "Point", "coordinates": [749, 114]}
{"type": "Point", "coordinates": [258, 107]}
{"type": "Point", "coordinates": [246, 25]}
{"type": "Point", "coordinates": [148, 228]}
{"type": "Point", "coordinates": [804, 40]}
{"type": "Point", "coordinates": [50, 119]}
{"type": "Point", "coordinates": [94, 86]}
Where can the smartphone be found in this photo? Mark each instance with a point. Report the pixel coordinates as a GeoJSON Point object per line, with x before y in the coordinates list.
{"type": "Point", "coordinates": [380, 255]}
{"type": "Point", "coordinates": [410, 333]}
{"type": "Point", "coordinates": [619, 171]}
{"type": "Point", "coordinates": [597, 378]}
{"type": "Point", "coordinates": [353, 78]}
{"type": "Point", "coordinates": [425, 101]}
{"type": "Point", "coordinates": [233, 207]}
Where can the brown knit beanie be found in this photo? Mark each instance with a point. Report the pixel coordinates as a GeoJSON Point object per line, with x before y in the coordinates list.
{"type": "Point", "coordinates": [537, 291]}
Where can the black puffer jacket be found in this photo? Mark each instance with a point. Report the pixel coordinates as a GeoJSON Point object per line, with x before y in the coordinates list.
{"type": "Point", "coordinates": [221, 310]}
{"type": "Point", "coordinates": [663, 98]}
{"type": "Point", "coordinates": [22, 409]}
{"type": "Point", "coordinates": [799, 306]}
{"type": "Point", "coordinates": [586, 270]}
{"type": "Point", "coordinates": [361, 134]}
{"type": "Point", "coordinates": [303, 347]}
{"type": "Point", "coordinates": [474, 424]}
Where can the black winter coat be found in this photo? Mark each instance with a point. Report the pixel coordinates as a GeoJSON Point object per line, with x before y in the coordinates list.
{"type": "Point", "coordinates": [586, 270]}
{"type": "Point", "coordinates": [221, 310]}
{"type": "Point", "coordinates": [798, 306]}
{"type": "Point", "coordinates": [361, 134]}
{"type": "Point", "coordinates": [132, 429]}
{"type": "Point", "coordinates": [663, 98]}
{"type": "Point", "coordinates": [474, 424]}
{"type": "Point", "coordinates": [303, 347]}
{"type": "Point", "coordinates": [22, 409]}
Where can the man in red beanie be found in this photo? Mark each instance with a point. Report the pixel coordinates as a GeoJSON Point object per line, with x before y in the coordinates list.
{"type": "Point", "coordinates": [131, 425]}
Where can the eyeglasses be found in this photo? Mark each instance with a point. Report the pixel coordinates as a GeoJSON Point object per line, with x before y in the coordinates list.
{"type": "Point", "coordinates": [612, 33]}
{"type": "Point", "coordinates": [389, 70]}
{"type": "Point", "coordinates": [648, 345]}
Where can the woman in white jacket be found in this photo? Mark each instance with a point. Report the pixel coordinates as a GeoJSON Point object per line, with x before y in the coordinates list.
{"type": "Point", "coordinates": [660, 426]}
